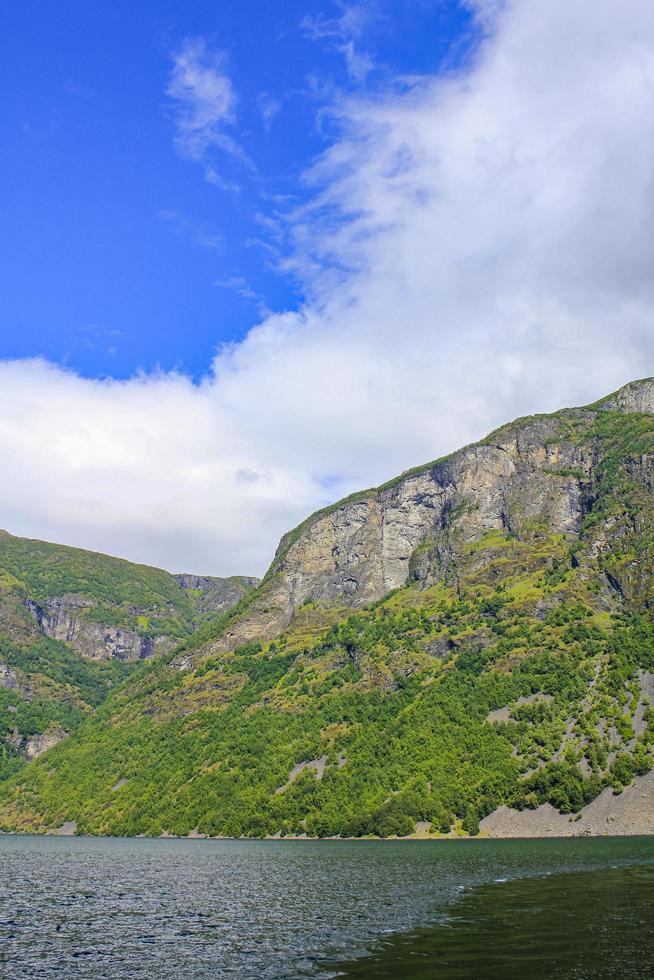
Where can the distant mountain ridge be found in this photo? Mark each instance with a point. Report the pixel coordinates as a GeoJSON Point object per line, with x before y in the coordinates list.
{"type": "Point", "coordinates": [107, 607]}
{"type": "Point", "coordinates": [69, 604]}
{"type": "Point", "coordinates": [475, 637]}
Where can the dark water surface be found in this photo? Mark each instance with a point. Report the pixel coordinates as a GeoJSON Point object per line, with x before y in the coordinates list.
{"type": "Point", "coordinates": [116, 908]}
{"type": "Point", "coordinates": [580, 925]}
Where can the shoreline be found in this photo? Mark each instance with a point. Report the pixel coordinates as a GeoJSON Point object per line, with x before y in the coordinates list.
{"type": "Point", "coordinates": [411, 839]}
{"type": "Point", "coordinates": [627, 814]}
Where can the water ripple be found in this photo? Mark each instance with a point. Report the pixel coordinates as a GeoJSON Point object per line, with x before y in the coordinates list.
{"type": "Point", "coordinates": [137, 908]}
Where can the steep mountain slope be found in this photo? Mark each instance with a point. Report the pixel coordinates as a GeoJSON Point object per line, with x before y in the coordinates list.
{"type": "Point", "coordinates": [73, 623]}
{"type": "Point", "coordinates": [46, 689]}
{"type": "Point", "coordinates": [477, 632]}
{"type": "Point", "coordinates": [536, 470]}
{"type": "Point", "coordinates": [106, 607]}
{"type": "Point", "coordinates": [212, 596]}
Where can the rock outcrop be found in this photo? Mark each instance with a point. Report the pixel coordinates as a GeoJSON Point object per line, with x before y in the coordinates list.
{"type": "Point", "coordinates": [61, 618]}
{"type": "Point", "coordinates": [32, 746]}
{"type": "Point", "coordinates": [66, 618]}
{"type": "Point", "coordinates": [638, 396]}
{"type": "Point", "coordinates": [216, 595]}
{"type": "Point", "coordinates": [13, 680]}
{"type": "Point", "coordinates": [103, 607]}
{"type": "Point", "coordinates": [538, 471]}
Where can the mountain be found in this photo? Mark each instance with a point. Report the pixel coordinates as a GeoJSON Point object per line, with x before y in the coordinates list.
{"type": "Point", "coordinates": [74, 623]}
{"type": "Point", "coordinates": [469, 645]}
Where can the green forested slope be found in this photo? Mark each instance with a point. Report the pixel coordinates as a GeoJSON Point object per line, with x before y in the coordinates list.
{"type": "Point", "coordinates": [91, 603]}
{"type": "Point", "coordinates": [519, 672]}
{"type": "Point", "coordinates": [43, 571]}
{"type": "Point", "coordinates": [46, 689]}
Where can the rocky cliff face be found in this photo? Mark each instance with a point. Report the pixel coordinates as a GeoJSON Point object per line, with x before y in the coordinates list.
{"type": "Point", "coordinates": [216, 595]}
{"type": "Point", "coordinates": [539, 471]}
{"type": "Point", "coordinates": [103, 608]}
{"type": "Point", "coordinates": [66, 618]}
{"type": "Point", "coordinates": [32, 746]}
{"type": "Point", "coordinates": [635, 397]}
{"type": "Point", "coordinates": [61, 619]}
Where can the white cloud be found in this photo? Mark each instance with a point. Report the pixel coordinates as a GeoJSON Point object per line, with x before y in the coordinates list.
{"type": "Point", "coordinates": [478, 247]}
{"type": "Point", "coordinates": [344, 34]}
{"type": "Point", "coordinates": [204, 102]}
{"type": "Point", "coordinates": [269, 107]}
{"type": "Point", "coordinates": [152, 468]}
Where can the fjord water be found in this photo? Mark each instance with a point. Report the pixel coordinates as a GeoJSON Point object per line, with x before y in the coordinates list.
{"type": "Point", "coordinates": [106, 907]}
{"type": "Point", "coordinates": [591, 924]}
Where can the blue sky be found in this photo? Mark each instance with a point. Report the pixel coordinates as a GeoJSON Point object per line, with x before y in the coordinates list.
{"type": "Point", "coordinates": [119, 254]}
{"type": "Point", "coordinates": [258, 256]}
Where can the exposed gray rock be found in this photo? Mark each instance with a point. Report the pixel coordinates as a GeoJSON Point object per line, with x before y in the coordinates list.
{"type": "Point", "coordinates": [38, 744]}
{"type": "Point", "coordinates": [441, 647]}
{"type": "Point", "coordinates": [645, 700]}
{"type": "Point", "coordinates": [318, 766]}
{"type": "Point", "coordinates": [9, 678]}
{"type": "Point", "coordinates": [638, 396]}
{"type": "Point", "coordinates": [530, 473]}
{"type": "Point", "coordinates": [14, 680]}
{"type": "Point", "coordinates": [32, 746]}
{"type": "Point", "coordinates": [217, 595]}
{"type": "Point", "coordinates": [505, 714]}
{"type": "Point", "coordinates": [199, 583]}
{"type": "Point", "coordinates": [418, 527]}
{"type": "Point", "coordinates": [67, 829]}
{"type": "Point", "coordinates": [632, 812]}
{"type": "Point", "coordinates": [62, 618]}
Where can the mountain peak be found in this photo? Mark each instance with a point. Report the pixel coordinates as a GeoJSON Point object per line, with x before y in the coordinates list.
{"type": "Point", "coordinates": [637, 396]}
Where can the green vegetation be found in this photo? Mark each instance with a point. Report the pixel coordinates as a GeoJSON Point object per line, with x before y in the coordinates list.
{"type": "Point", "coordinates": [399, 698]}
{"type": "Point", "coordinates": [45, 686]}
{"type": "Point", "coordinates": [119, 593]}
{"type": "Point", "coordinates": [47, 570]}
{"type": "Point", "coordinates": [55, 689]}
{"type": "Point", "coordinates": [515, 674]}
{"type": "Point", "coordinates": [122, 591]}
